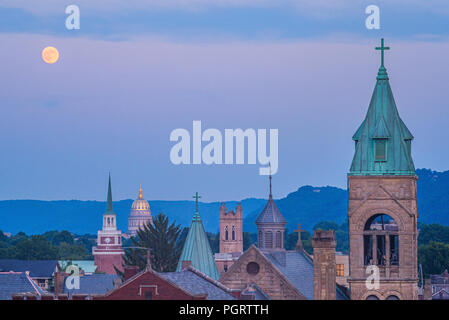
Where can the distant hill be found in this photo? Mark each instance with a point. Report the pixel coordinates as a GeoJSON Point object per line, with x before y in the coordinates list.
{"type": "Point", "coordinates": [307, 206]}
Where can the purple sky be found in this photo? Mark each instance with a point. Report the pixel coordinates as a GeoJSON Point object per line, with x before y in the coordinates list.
{"type": "Point", "coordinates": [111, 105]}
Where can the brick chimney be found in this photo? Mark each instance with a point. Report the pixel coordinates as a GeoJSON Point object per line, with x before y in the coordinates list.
{"type": "Point", "coordinates": [186, 264]}
{"type": "Point", "coordinates": [324, 265]}
{"type": "Point", "coordinates": [59, 282]}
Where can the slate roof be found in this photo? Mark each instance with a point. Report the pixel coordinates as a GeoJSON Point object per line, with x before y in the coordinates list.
{"type": "Point", "coordinates": [270, 214]}
{"type": "Point", "coordinates": [16, 282]}
{"type": "Point", "coordinates": [198, 283]}
{"type": "Point", "coordinates": [297, 267]}
{"type": "Point", "coordinates": [37, 268]}
{"type": "Point", "coordinates": [93, 284]}
{"type": "Point", "coordinates": [197, 250]}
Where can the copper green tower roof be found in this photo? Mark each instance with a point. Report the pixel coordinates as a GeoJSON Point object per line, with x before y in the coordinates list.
{"type": "Point", "coordinates": [382, 142]}
{"type": "Point", "coordinates": [197, 249]}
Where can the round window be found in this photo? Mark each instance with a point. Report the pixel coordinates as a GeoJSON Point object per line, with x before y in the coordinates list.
{"type": "Point", "coordinates": [253, 268]}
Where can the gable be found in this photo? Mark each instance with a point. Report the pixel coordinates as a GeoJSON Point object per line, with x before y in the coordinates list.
{"type": "Point", "coordinates": [268, 278]}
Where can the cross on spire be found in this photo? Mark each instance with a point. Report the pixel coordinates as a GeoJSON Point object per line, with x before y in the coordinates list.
{"type": "Point", "coordinates": [299, 242]}
{"type": "Point", "coordinates": [382, 48]}
{"type": "Point", "coordinates": [196, 197]}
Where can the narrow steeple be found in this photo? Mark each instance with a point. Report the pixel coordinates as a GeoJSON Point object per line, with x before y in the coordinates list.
{"type": "Point", "coordinates": [197, 251]}
{"type": "Point", "coordinates": [109, 209]}
{"type": "Point", "coordinates": [383, 141]}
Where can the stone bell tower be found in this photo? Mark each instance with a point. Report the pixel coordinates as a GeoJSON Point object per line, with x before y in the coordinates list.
{"type": "Point", "coordinates": [231, 232]}
{"type": "Point", "coordinates": [382, 208]}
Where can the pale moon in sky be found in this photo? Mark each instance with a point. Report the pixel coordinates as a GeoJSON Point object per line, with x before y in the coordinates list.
{"type": "Point", "coordinates": [50, 55]}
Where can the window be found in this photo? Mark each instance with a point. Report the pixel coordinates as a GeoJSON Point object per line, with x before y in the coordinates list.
{"type": "Point", "coordinates": [225, 268]}
{"type": "Point", "coordinates": [372, 297]}
{"type": "Point", "coordinates": [278, 239]}
{"type": "Point", "coordinates": [260, 239]}
{"type": "Point", "coordinates": [381, 241]}
{"type": "Point", "coordinates": [380, 149]}
{"type": "Point", "coordinates": [392, 297]}
{"type": "Point", "coordinates": [268, 239]}
{"type": "Point", "coordinates": [340, 270]}
{"type": "Point", "coordinates": [226, 233]}
{"type": "Point", "coordinates": [252, 268]}
{"type": "Point", "coordinates": [233, 233]}
{"type": "Point", "coordinates": [368, 249]}
{"type": "Point", "coordinates": [148, 295]}
{"type": "Point", "coordinates": [381, 254]}
{"type": "Point", "coordinates": [394, 250]}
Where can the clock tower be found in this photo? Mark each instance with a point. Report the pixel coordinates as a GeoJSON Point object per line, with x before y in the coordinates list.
{"type": "Point", "coordinates": [108, 252]}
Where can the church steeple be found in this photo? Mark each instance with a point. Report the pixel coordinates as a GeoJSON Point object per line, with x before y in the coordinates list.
{"type": "Point", "coordinates": [197, 251]}
{"type": "Point", "coordinates": [382, 142]}
{"type": "Point", "coordinates": [109, 209]}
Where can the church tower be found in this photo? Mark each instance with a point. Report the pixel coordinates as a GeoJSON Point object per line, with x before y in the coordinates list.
{"type": "Point", "coordinates": [231, 237]}
{"type": "Point", "coordinates": [270, 227]}
{"type": "Point", "coordinates": [382, 208]}
{"type": "Point", "coordinates": [231, 231]}
{"type": "Point", "coordinates": [108, 252]}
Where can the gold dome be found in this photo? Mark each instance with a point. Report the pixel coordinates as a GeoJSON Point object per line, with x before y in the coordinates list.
{"type": "Point", "coordinates": [140, 204]}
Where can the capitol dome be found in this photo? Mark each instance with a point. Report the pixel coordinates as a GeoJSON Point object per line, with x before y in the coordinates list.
{"type": "Point", "coordinates": [140, 214]}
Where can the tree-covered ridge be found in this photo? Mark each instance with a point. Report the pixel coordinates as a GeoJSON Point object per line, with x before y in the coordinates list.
{"type": "Point", "coordinates": [51, 245]}
{"type": "Point", "coordinates": [308, 205]}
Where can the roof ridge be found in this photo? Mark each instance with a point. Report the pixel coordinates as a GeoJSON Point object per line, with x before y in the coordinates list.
{"type": "Point", "coordinates": [211, 280]}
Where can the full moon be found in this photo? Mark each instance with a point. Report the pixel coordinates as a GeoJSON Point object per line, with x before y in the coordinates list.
{"type": "Point", "coordinates": [50, 55]}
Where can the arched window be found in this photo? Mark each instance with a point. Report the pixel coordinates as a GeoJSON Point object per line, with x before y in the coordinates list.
{"type": "Point", "coordinates": [372, 297]}
{"type": "Point", "coordinates": [392, 297]}
{"type": "Point", "coordinates": [260, 239]}
{"type": "Point", "coordinates": [226, 233]}
{"type": "Point", "coordinates": [278, 239]}
{"type": "Point", "coordinates": [268, 239]}
{"type": "Point", "coordinates": [233, 233]}
{"type": "Point", "coordinates": [381, 241]}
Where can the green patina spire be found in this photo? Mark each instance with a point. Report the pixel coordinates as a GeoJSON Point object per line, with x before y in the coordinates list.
{"type": "Point", "coordinates": [383, 141]}
{"type": "Point", "coordinates": [197, 248]}
{"type": "Point", "coordinates": [109, 209]}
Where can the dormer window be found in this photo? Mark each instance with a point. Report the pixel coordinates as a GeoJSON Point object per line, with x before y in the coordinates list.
{"type": "Point", "coordinates": [380, 149]}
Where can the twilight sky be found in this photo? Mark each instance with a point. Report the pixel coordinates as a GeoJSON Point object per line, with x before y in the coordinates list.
{"type": "Point", "coordinates": [136, 70]}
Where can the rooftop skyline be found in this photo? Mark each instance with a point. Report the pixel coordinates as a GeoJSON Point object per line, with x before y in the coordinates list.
{"type": "Point", "coordinates": [134, 72]}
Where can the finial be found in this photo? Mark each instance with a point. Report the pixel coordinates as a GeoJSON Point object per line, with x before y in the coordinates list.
{"type": "Point", "coordinates": [196, 197]}
{"type": "Point", "coordinates": [271, 196]}
{"type": "Point", "coordinates": [299, 242]}
{"type": "Point", "coordinates": [140, 192]}
{"type": "Point", "coordinates": [382, 75]}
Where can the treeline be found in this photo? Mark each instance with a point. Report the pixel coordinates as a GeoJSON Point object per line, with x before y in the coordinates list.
{"type": "Point", "coordinates": [52, 245]}
{"type": "Point", "coordinates": [433, 244]}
